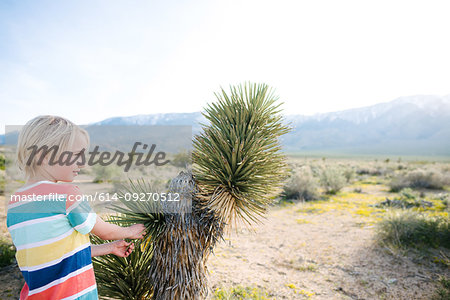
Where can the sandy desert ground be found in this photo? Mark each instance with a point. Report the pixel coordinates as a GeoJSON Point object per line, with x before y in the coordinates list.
{"type": "Point", "coordinates": [296, 254]}
{"type": "Point", "coordinates": [311, 250]}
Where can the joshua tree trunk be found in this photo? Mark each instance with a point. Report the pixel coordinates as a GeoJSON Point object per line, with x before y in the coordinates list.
{"type": "Point", "coordinates": [178, 265]}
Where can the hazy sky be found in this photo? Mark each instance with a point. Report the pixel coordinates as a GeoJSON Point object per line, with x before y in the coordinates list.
{"type": "Point", "coordinates": [90, 60]}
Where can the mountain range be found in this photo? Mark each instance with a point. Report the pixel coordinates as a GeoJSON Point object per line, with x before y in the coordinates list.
{"type": "Point", "coordinates": [415, 125]}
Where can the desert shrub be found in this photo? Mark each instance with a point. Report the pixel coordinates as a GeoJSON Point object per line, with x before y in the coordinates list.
{"type": "Point", "coordinates": [443, 291]}
{"type": "Point", "coordinates": [407, 198]}
{"type": "Point", "coordinates": [401, 167]}
{"type": "Point", "coordinates": [349, 174]}
{"type": "Point", "coordinates": [7, 253]}
{"type": "Point", "coordinates": [240, 292]}
{"type": "Point", "coordinates": [372, 171]}
{"type": "Point", "coordinates": [357, 190]}
{"type": "Point", "coordinates": [445, 201]}
{"type": "Point", "coordinates": [406, 228]}
{"type": "Point", "coordinates": [428, 179]}
{"type": "Point", "coordinates": [332, 179]}
{"type": "Point", "coordinates": [6, 160]}
{"type": "Point", "coordinates": [301, 185]}
{"type": "Point", "coordinates": [105, 173]}
{"type": "Point", "coordinates": [315, 170]}
{"type": "Point", "coordinates": [2, 182]}
{"type": "Point", "coordinates": [2, 162]}
{"type": "Point", "coordinates": [181, 159]}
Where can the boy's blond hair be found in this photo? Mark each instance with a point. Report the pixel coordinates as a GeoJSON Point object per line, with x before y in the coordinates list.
{"type": "Point", "coordinates": [45, 131]}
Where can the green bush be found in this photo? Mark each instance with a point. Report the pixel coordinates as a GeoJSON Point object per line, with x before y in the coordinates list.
{"type": "Point", "coordinates": [443, 292]}
{"type": "Point", "coordinates": [2, 182]}
{"type": "Point", "coordinates": [2, 162]}
{"type": "Point", "coordinates": [332, 179]}
{"type": "Point", "coordinates": [406, 228]}
{"type": "Point", "coordinates": [240, 293]}
{"type": "Point", "coordinates": [349, 174]}
{"type": "Point", "coordinates": [427, 179]}
{"type": "Point", "coordinates": [105, 173]}
{"type": "Point", "coordinates": [181, 160]}
{"type": "Point", "coordinates": [372, 171]}
{"type": "Point", "coordinates": [7, 253]}
{"type": "Point", "coordinates": [407, 199]}
{"type": "Point", "coordinates": [301, 185]}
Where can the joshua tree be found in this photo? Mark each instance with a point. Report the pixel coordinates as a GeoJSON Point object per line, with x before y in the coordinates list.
{"type": "Point", "coordinates": [237, 171]}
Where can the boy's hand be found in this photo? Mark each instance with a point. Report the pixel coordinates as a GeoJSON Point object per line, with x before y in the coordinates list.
{"type": "Point", "coordinates": [108, 231]}
{"type": "Point", "coordinates": [136, 231]}
{"type": "Point", "coordinates": [121, 248]}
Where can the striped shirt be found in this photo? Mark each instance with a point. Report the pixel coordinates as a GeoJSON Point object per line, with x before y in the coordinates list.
{"type": "Point", "coordinates": [49, 225]}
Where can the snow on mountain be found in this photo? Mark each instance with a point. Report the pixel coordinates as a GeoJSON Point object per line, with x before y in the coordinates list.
{"type": "Point", "coordinates": [432, 106]}
{"type": "Point", "coordinates": [418, 125]}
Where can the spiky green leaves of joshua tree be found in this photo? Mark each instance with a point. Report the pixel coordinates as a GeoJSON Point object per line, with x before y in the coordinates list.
{"type": "Point", "coordinates": [237, 159]}
{"type": "Point", "coordinates": [124, 277]}
{"type": "Point", "coordinates": [128, 278]}
{"type": "Point", "coordinates": [130, 211]}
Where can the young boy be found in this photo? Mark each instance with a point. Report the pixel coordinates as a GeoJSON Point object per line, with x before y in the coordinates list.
{"type": "Point", "coordinates": [50, 228]}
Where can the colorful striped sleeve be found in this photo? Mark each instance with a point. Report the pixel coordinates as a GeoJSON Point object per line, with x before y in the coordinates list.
{"type": "Point", "coordinates": [78, 211]}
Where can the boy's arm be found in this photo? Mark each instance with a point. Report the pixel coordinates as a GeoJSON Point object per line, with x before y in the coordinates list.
{"type": "Point", "coordinates": [85, 220]}
{"type": "Point", "coordinates": [119, 248]}
{"type": "Point", "coordinates": [108, 231]}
